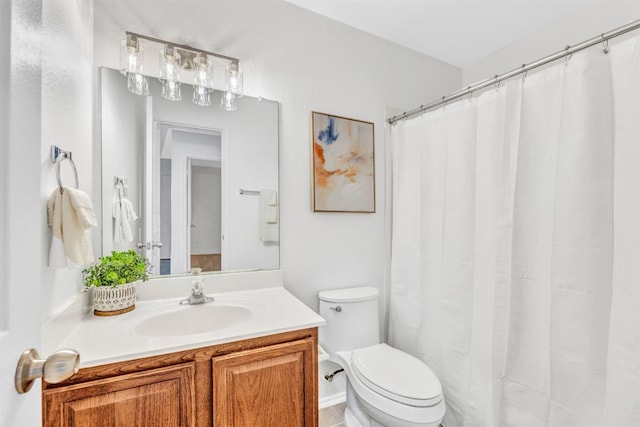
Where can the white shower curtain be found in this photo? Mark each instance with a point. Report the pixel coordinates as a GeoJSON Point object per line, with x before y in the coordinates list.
{"type": "Point", "coordinates": [516, 246]}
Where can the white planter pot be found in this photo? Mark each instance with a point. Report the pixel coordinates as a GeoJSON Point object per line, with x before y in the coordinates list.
{"type": "Point", "coordinates": [108, 301]}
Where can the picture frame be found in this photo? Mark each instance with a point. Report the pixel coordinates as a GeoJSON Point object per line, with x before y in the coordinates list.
{"type": "Point", "coordinates": [343, 164]}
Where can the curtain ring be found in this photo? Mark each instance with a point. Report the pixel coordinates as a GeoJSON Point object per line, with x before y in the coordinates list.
{"type": "Point", "coordinates": [605, 44]}
{"type": "Point", "coordinates": [567, 54]}
{"type": "Point", "coordinates": [524, 71]}
{"type": "Point", "coordinates": [497, 84]}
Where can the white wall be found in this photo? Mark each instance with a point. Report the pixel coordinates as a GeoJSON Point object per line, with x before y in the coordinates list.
{"type": "Point", "coordinates": [206, 212]}
{"type": "Point", "coordinates": [251, 167]}
{"type": "Point", "coordinates": [585, 23]}
{"type": "Point", "coordinates": [185, 145]}
{"type": "Point", "coordinates": [165, 208]}
{"type": "Point", "coordinates": [308, 63]}
{"type": "Point", "coordinates": [66, 119]}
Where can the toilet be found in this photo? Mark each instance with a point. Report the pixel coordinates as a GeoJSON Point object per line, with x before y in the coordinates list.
{"type": "Point", "coordinates": [386, 387]}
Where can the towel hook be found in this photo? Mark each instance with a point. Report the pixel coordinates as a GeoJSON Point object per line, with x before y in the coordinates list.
{"type": "Point", "coordinates": [121, 184]}
{"type": "Point", "coordinates": [57, 156]}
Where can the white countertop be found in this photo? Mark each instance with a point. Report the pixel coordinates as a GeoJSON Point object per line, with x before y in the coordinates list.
{"type": "Point", "coordinates": [101, 340]}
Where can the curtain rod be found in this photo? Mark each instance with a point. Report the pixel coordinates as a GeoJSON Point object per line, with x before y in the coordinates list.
{"type": "Point", "coordinates": [603, 38]}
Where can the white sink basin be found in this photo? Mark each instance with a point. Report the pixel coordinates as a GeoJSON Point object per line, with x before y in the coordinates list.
{"type": "Point", "coordinates": [193, 319]}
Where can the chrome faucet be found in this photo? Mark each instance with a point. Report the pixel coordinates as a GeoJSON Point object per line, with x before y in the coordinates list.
{"type": "Point", "coordinates": [197, 293]}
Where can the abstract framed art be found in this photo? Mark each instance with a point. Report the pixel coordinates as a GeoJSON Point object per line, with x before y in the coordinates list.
{"type": "Point", "coordinates": [343, 164]}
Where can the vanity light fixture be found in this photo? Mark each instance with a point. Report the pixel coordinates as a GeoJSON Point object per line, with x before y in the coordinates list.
{"type": "Point", "coordinates": [175, 58]}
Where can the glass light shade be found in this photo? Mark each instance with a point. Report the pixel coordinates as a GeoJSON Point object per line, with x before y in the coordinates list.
{"type": "Point", "coordinates": [170, 73]}
{"type": "Point", "coordinates": [171, 90]}
{"type": "Point", "coordinates": [131, 56]}
{"type": "Point", "coordinates": [202, 81]}
{"type": "Point", "coordinates": [202, 72]}
{"type": "Point", "coordinates": [137, 83]}
{"type": "Point", "coordinates": [227, 101]}
{"type": "Point", "coordinates": [201, 96]}
{"type": "Point", "coordinates": [131, 61]}
{"type": "Point", "coordinates": [233, 80]}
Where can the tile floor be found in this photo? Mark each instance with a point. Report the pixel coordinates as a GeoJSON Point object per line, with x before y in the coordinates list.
{"type": "Point", "coordinates": [332, 416]}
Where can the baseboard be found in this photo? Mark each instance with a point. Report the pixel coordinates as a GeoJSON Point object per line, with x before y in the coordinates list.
{"type": "Point", "coordinates": [334, 399]}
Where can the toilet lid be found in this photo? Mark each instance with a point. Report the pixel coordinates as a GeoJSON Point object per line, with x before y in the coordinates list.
{"type": "Point", "coordinates": [396, 375]}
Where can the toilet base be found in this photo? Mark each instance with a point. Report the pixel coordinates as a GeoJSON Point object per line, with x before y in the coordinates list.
{"type": "Point", "coordinates": [354, 416]}
{"type": "Point", "coordinates": [359, 414]}
{"type": "Point", "coordinates": [350, 420]}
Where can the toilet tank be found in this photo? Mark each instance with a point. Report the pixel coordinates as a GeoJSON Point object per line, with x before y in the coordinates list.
{"type": "Point", "coordinates": [352, 318]}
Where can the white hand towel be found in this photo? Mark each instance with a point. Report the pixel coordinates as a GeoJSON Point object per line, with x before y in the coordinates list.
{"type": "Point", "coordinates": [123, 215]}
{"type": "Point", "coordinates": [116, 212]}
{"type": "Point", "coordinates": [271, 208]}
{"type": "Point", "coordinates": [129, 216]}
{"type": "Point", "coordinates": [57, 257]}
{"type": "Point", "coordinates": [268, 226]}
{"type": "Point", "coordinates": [70, 215]}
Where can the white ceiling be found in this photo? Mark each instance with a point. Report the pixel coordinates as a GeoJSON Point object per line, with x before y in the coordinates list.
{"type": "Point", "coordinates": [459, 32]}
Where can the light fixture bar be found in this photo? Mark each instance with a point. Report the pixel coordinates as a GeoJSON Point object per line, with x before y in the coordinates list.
{"type": "Point", "coordinates": [183, 46]}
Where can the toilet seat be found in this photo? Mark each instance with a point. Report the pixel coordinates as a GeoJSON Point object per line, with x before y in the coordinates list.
{"type": "Point", "coordinates": [396, 375]}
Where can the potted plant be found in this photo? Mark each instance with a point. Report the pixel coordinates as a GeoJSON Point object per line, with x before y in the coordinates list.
{"type": "Point", "coordinates": [113, 278]}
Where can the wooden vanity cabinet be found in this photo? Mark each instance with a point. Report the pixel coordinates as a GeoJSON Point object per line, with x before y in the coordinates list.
{"type": "Point", "coordinates": [160, 397]}
{"type": "Point", "coordinates": [266, 386]}
{"type": "Point", "coordinates": [266, 381]}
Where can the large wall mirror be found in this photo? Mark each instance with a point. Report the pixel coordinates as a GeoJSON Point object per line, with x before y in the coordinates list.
{"type": "Point", "coordinates": [201, 181]}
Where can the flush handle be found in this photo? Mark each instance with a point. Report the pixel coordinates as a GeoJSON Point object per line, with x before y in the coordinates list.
{"type": "Point", "coordinates": [337, 308]}
{"type": "Point", "coordinates": [54, 369]}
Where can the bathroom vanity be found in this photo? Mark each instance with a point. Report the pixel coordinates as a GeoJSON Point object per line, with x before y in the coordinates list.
{"type": "Point", "coordinates": [257, 368]}
{"type": "Point", "coordinates": [270, 380]}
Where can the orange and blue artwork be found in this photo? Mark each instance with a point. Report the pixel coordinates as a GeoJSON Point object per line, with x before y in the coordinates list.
{"type": "Point", "coordinates": [343, 164]}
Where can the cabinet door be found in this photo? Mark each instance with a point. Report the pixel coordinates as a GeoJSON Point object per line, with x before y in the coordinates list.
{"type": "Point", "coordinates": [158, 397]}
{"type": "Point", "coordinates": [267, 386]}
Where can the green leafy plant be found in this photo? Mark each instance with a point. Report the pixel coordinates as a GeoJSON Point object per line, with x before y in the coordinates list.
{"type": "Point", "coordinates": [117, 269]}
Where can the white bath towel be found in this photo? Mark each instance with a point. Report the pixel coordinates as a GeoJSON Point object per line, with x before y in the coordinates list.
{"type": "Point", "coordinates": [268, 226]}
{"type": "Point", "coordinates": [70, 215]}
{"type": "Point", "coordinates": [123, 216]}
